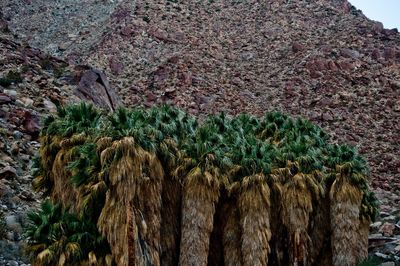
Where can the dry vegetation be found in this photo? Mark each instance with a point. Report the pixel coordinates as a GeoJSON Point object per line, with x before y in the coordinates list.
{"type": "Point", "coordinates": [158, 187]}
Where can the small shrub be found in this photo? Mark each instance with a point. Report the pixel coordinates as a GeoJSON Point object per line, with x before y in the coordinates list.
{"type": "Point", "coordinates": [2, 226]}
{"type": "Point", "coordinates": [371, 261]}
{"type": "Point", "coordinates": [146, 19]}
{"type": "Point", "coordinates": [12, 77]}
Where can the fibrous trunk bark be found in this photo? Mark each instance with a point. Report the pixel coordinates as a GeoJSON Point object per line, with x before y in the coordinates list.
{"type": "Point", "coordinates": [200, 195]}
{"type": "Point", "coordinates": [363, 233]}
{"type": "Point", "coordinates": [232, 234]}
{"type": "Point", "coordinates": [254, 207]}
{"type": "Point", "coordinates": [345, 222]}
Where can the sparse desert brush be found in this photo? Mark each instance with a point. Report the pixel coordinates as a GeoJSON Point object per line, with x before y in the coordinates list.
{"type": "Point", "coordinates": [163, 188]}
{"type": "Point", "coordinates": [3, 225]}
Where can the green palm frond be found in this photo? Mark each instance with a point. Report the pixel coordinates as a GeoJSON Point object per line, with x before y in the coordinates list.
{"type": "Point", "coordinates": [53, 231]}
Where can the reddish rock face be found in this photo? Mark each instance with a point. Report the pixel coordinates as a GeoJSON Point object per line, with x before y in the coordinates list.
{"type": "Point", "coordinates": [31, 124]}
{"type": "Point", "coordinates": [297, 47]}
{"type": "Point", "coordinates": [389, 53]}
{"type": "Point", "coordinates": [387, 229]}
{"type": "Point", "coordinates": [116, 66]}
{"type": "Point", "coordinates": [376, 54]}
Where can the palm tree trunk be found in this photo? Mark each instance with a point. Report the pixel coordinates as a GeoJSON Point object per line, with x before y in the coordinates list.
{"type": "Point", "coordinates": [254, 207]}
{"type": "Point", "coordinates": [296, 209]}
{"type": "Point", "coordinates": [345, 222]}
{"type": "Point", "coordinates": [320, 231]}
{"type": "Point", "coordinates": [200, 194]}
{"type": "Point", "coordinates": [362, 242]}
{"type": "Point", "coordinates": [170, 221]}
{"type": "Point", "coordinates": [148, 204]}
{"type": "Point", "coordinates": [115, 220]}
{"type": "Point", "coordinates": [232, 234]}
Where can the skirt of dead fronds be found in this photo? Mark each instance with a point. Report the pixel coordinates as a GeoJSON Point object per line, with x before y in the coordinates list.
{"type": "Point", "coordinates": [362, 237]}
{"type": "Point", "coordinates": [345, 222]}
{"type": "Point", "coordinates": [200, 194]}
{"type": "Point", "coordinates": [63, 190]}
{"type": "Point", "coordinates": [254, 207]}
{"type": "Point", "coordinates": [131, 216]}
{"type": "Point", "coordinates": [148, 204]}
{"type": "Point", "coordinates": [296, 210]}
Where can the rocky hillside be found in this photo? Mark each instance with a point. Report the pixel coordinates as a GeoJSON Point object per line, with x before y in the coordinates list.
{"type": "Point", "coordinates": [323, 60]}
{"type": "Point", "coordinates": [32, 84]}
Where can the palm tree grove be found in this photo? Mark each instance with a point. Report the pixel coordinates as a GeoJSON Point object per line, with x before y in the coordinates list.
{"type": "Point", "coordinates": [157, 186]}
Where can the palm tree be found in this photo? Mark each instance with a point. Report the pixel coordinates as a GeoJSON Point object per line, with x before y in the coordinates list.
{"type": "Point", "coordinates": [347, 169]}
{"type": "Point", "coordinates": [201, 184]}
{"type": "Point", "coordinates": [58, 237]}
{"type": "Point", "coordinates": [249, 163]}
{"type": "Point", "coordinates": [133, 200]}
{"type": "Point", "coordinates": [297, 177]}
{"type": "Point", "coordinates": [298, 190]}
{"type": "Point", "coordinates": [254, 207]}
{"type": "Point", "coordinates": [72, 120]}
{"type": "Point", "coordinates": [153, 180]}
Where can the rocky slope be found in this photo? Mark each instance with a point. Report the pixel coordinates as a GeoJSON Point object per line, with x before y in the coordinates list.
{"type": "Point", "coordinates": [307, 58]}
{"type": "Point", "coordinates": [32, 83]}
{"type": "Point", "coordinates": [320, 59]}
{"type": "Point", "coordinates": [28, 90]}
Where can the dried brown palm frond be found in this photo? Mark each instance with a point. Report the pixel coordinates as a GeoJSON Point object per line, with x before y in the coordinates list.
{"type": "Point", "coordinates": [200, 194]}
{"type": "Point", "coordinates": [114, 222]}
{"type": "Point", "coordinates": [117, 218]}
{"type": "Point", "coordinates": [93, 260]}
{"type": "Point", "coordinates": [362, 236]}
{"type": "Point", "coordinates": [46, 152]}
{"type": "Point", "coordinates": [134, 203]}
{"type": "Point", "coordinates": [107, 156]}
{"type": "Point", "coordinates": [73, 141]}
{"type": "Point", "coordinates": [296, 209]}
{"type": "Point", "coordinates": [103, 143]}
{"type": "Point", "coordinates": [148, 202]}
{"type": "Point", "coordinates": [171, 153]}
{"type": "Point", "coordinates": [345, 223]}
{"type": "Point", "coordinates": [63, 191]}
{"type": "Point", "coordinates": [126, 167]}
{"type": "Point", "coordinates": [254, 208]}
{"type": "Point", "coordinates": [298, 192]}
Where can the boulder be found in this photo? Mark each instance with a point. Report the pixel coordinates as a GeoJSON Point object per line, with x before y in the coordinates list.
{"type": "Point", "coordinates": [94, 86]}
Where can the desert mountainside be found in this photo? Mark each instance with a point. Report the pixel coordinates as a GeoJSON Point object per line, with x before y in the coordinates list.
{"type": "Point", "coordinates": [322, 60]}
